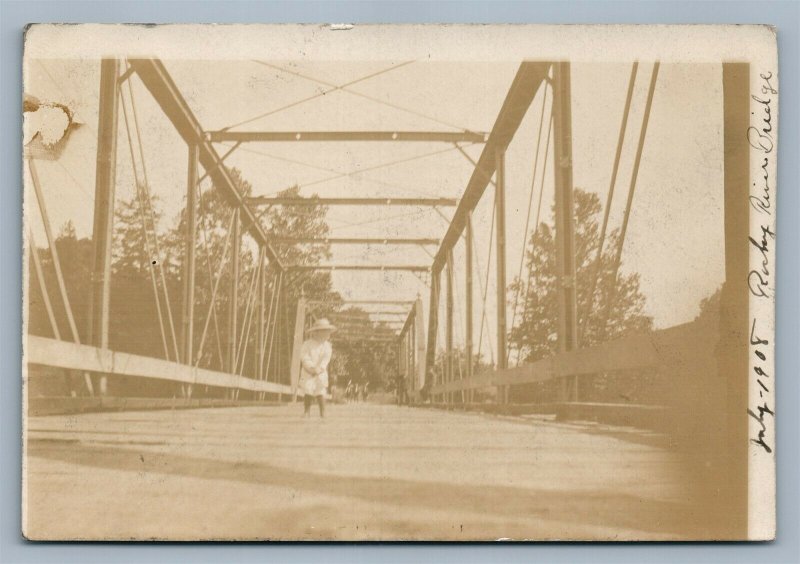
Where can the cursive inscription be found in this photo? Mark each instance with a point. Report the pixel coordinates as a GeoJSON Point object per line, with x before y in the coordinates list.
{"type": "Point", "coordinates": [762, 379]}
{"type": "Point", "coordinates": [759, 280]}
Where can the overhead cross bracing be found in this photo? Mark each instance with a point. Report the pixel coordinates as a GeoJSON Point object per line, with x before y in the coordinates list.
{"type": "Point", "coordinates": [360, 314]}
{"type": "Point", "coordinates": [338, 136]}
{"type": "Point", "coordinates": [265, 295]}
{"type": "Point", "coordinates": [360, 302]}
{"type": "Point", "coordinates": [273, 201]}
{"type": "Point", "coordinates": [352, 241]}
{"type": "Point", "coordinates": [523, 89]}
{"type": "Point", "coordinates": [366, 319]}
{"type": "Point", "coordinates": [364, 267]}
{"type": "Point", "coordinates": [520, 95]}
{"type": "Point", "coordinates": [368, 324]}
{"type": "Point", "coordinates": [156, 78]}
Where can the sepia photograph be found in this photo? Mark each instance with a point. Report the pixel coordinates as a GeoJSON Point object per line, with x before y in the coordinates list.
{"type": "Point", "coordinates": [399, 282]}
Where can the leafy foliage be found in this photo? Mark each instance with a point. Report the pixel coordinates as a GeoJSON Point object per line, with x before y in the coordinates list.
{"type": "Point", "coordinates": [617, 306]}
{"type": "Point", "coordinates": [145, 258]}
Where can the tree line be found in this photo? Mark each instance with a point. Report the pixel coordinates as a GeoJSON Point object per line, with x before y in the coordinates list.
{"type": "Point", "coordinates": [147, 276]}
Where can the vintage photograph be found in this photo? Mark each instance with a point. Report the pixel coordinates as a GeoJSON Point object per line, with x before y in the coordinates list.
{"type": "Point", "coordinates": [425, 283]}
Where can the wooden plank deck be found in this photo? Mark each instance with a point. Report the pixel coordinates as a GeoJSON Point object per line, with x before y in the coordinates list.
{"type": "Point", "coordinates": [366, 472]}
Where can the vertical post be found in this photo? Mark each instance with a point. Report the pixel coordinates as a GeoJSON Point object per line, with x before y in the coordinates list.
{"type": "Point", "coordinates": [412, 363]}
{"type": "Point", "coordinates": [233, 299]}
{"type": "Point", "coordinates": [102, 231]}
{"type": "Point", "coordinates": [500, 238]}
{"type": "Point", "coordinates": [421, 344]}
{"type": "Point", "coordinates": [187, 318]}
{"type": "Point", "coordinates": [297, 343]}
{"type": "Point", "coordinates": [105, 178]}
{"type": "Point", "coordinates": [469, 269]}
{"type": "Point", "coordinates": [433, 325]}
{"type": "Point", "coordinates": [448, 363]}
{"type": "Point", "coordinates": [289, 338]}
{"type": "Point", "coordinates": [272, 323]}
{"type": "Point", "coordinates": [279, 377]}
{"type": "Point", "coordinates": [402, 362]}
{"type": "Point", "coordinates": [734, 322]}
{"type": "Point", "coordinates": [565, 228]}
{"type": "Point", "coordinates": [261, 321]}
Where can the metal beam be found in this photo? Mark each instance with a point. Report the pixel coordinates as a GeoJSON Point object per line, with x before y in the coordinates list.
{"type": "Point", "coordinates": [105, 181]}
{"type": "Point", "coordinates": [469, 243]}
{"type": "Point", "coordinates": [433, 324]}
{"type": "Point", "coordinates": [388, 339]}
{"type": "Point", "coordinates": [500, 240]}
{"type": "Point", "coordinates": [190, 247]}
{"type": "Point", "coordinates": [352, 241]}
{"type": "Point", "coordinates": [376, 328]}
{"type": "Point", "coordinates": [449, 372]}
{"type": "Point", "coordinates": [365, 302]}
{"type": "Point", "coordinates": [354, 314]}
{"type": "Point", "coordinates": [402, 358]}
{"type": "Point", "coordinates": [262, 309]}
{"type": "Point", "coordinates": [367, 328]}
{"type": "Point", "coordinates": [331, 267]}
{"type": "Point", "coordinates": [364, 322]}
{"type": "Point", "coordinates": [420, 345]}
{"type": "Point", "coordinates": [374, 332]}
{"type": "Point", "coordinates": [272, 322]}
{"type": "Point", "coordinates": [221, 161]}
{"type": "Point", "coordinates": [166, 94]}
{"type": "Point", "coordinates": [233, 300]}
{"type": "Point", "coordinates": [336, 136]}
{"type": "Point", "coordinates": [409, 322]}
{"type": "Point", "coordinates": [520, 95]}
{"type": "Point", "coordinates": [297, 343]}
{"type": "Point", "coordinates": [564, 218]}
{"type": "Point", "coordinates": [271, 201]}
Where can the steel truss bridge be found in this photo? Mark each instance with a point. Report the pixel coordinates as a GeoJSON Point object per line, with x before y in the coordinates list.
{"type": "Point", "coordinates": [711, 358]}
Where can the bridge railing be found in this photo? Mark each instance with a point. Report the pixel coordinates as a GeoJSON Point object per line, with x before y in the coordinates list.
{"type": "Point", "coordinates": [66, 356]}
{"type": "Point", "coordinates": [681, 358]}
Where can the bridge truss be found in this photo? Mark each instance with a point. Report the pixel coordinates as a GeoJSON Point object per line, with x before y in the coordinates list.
{"type": "Point", "coordinates": [445, 381]}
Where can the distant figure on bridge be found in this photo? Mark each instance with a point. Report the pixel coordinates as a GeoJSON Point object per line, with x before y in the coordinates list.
{"type": "Point", "coordinates": [402, 392]}
{"type": "Point", "coordinates": [315, 355]}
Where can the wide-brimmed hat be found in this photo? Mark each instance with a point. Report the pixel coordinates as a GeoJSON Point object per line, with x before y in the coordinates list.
{"type": "Point", "coordinates": [321, 325]}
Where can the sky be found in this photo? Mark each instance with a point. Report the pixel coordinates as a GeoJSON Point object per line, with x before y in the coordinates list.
{"type": "Point", "coordinates": [675, 236]}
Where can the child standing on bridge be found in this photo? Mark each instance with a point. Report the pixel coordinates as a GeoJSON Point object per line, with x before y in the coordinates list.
{"type": "Point", "coordinates": [314, 358]}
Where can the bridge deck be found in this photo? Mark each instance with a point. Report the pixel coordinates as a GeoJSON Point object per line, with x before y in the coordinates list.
{"type": "Point", "coordinates": [366, 472]}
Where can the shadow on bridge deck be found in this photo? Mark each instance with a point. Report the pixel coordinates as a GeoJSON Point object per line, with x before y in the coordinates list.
{"type": "Point", "coordinates": [366, 472]}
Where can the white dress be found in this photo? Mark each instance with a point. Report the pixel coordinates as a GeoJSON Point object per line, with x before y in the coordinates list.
{"type": "Point", "coordinates": [314, 355]}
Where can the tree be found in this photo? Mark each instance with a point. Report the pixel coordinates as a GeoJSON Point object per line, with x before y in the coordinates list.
{"type": "Point", "coordinates": [139, 254]}
{"type": "Point", "coordinates": [134, 321]}
{"type": "Point", "coordinates": [535, 336]}
{"type": "Point", "coordinates": [709, 306]}
{"type": "Point", "coordinates": [365, 360]}
{"type": "Point", "coordinates": [75, 256]}
{"type": "Point", "coordinates": [302, 221]}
